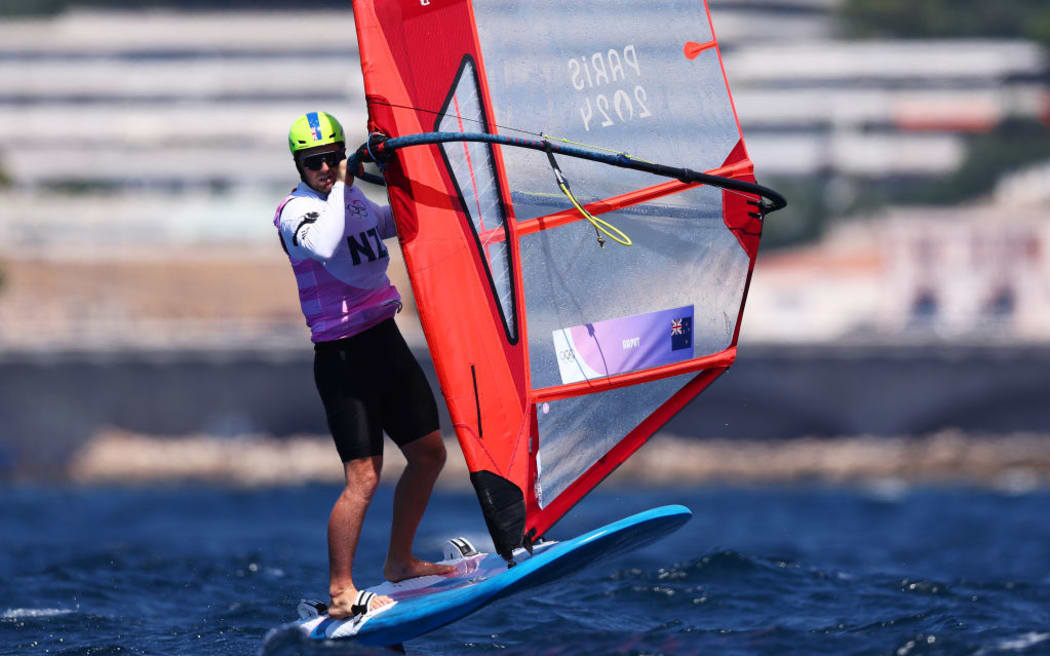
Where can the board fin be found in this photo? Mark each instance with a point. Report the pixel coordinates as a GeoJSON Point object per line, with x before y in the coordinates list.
{"type": "Point", "coordinates": [503, 505]}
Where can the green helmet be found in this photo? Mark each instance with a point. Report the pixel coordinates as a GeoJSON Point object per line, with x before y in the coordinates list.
{"type": "Point", "coordinates": [314, 129]}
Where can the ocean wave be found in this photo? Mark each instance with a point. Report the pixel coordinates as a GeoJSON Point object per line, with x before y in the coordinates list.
{"type": "Point", "coordinates": [23, 613]}
{"type": "Point", "coordinates": [1020, 643]}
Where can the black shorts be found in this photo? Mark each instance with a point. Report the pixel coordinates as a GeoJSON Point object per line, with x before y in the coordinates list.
{"type": "Point", "coordinates": [370, 383]}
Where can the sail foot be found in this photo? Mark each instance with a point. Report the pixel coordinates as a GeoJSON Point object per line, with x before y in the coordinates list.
{"type": "Point", "coordinates": [503, 505]}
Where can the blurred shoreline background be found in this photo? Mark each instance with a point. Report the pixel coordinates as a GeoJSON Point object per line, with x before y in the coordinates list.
{"type": "Point", "coordinates": [898, 321]}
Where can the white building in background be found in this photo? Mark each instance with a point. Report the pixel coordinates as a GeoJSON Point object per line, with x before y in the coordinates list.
{"type": "Point", "coordinates": [981, 274]}
{"type": "Point", "coordinates": [170, 100]}
{"type": "Point", "coordinates": [876, 109]}
{"type": "Point", "coordinates": [976, 273]}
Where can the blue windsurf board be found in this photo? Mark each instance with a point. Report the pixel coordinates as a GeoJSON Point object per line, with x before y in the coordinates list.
{"type": "Point", "coordinates": [429, 602]}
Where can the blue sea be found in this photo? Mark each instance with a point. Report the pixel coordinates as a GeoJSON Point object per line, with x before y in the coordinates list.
{"type": "Point", "coordinates": [208, 570]}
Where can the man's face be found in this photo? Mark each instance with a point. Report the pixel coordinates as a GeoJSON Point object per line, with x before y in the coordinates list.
{"type": "Point", "coordinates": [320, 164]}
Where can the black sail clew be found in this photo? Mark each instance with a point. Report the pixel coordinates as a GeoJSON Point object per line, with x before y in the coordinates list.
{"type": "Point", "coordinates": [503, 505]}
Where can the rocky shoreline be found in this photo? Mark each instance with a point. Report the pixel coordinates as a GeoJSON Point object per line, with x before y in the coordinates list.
{"type": "Point", "coordinates": [1009, 462]}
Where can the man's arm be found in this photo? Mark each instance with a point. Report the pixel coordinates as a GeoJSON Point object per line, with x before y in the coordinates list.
{"type": "Point", "coordinates": [314, 228]}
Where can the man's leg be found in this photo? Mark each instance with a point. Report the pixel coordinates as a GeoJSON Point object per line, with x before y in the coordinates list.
{"type": "Point", "coordinates": [426, 457]}
{"type": "Point", "coordinates": [344, 529]}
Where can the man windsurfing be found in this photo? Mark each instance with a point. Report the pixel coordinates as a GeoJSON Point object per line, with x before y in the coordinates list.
{"type": "Point", "coordinates": [367, 377]}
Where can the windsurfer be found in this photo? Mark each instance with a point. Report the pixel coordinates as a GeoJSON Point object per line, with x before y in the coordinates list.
{"type": "Point", "coordinates": [367, 377]}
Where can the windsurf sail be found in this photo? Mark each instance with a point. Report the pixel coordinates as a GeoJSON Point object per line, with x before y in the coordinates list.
{"type": "Point", "coordinates": [579, 219]}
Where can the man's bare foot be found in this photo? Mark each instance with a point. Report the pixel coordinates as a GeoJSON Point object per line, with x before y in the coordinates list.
{"type": "Point", "coordinates": [399, 571]}
{"type": "Point", "coordinates": [341, 603]}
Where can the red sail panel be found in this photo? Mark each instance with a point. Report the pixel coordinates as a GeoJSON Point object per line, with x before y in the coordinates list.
{"type": "Point", "coordinates": [481, 371]}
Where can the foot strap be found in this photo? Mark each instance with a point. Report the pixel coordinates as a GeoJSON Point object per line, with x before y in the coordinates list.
{"type": "Point", "coordinates": [362, 603]}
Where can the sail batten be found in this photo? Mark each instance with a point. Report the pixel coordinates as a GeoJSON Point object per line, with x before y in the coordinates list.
{"type": "Point", "coordinates": [559, 355]}
{"type": "Point", "coordinates": [723, 359]}
{"type": "Point", "coordinates": [622, 202]}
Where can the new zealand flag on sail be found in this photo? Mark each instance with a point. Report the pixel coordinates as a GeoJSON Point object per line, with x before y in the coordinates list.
{"type": "Point", "coordinates": [616, 346]}
{"type": "Point", "coordinates": [681, 333]}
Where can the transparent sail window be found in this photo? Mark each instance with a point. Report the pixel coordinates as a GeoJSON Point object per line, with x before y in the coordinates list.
{"type": "Point", "coordinates": [473, 169]}
{"type": "Point", "coordinates": [574, 433]}
{"type": "Point", "coordinates": [685, 263]}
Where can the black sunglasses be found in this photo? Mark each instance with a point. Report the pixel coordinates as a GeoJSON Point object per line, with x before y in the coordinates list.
{"type": "Point", "coordinates": [331, 158]}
